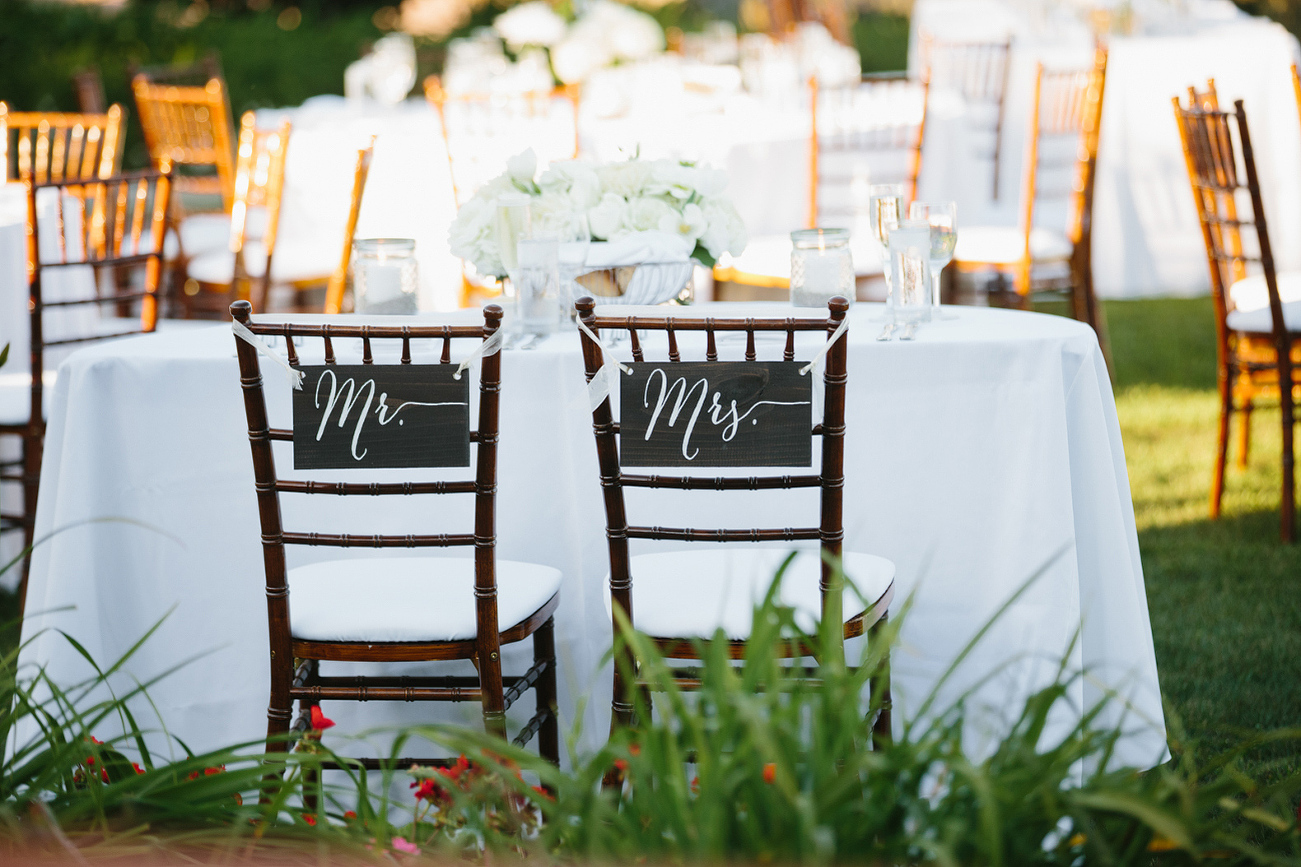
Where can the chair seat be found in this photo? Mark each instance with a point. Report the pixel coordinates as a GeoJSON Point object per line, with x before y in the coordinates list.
{"type": "Point", "coordinates": [768, 257]}
{"type": "Point", "coordinates": [408, 599]}
{"type": "Point", "coordinates": [16, 396]}
{"type": "Point", "coordinates": [1005, 245]}
{"type": "Point", "coordinates": [692, 594]}
{"type": "Point", "coordinates": [292, 263]}
{"type": "Point", "coordinates": [1250, 298]}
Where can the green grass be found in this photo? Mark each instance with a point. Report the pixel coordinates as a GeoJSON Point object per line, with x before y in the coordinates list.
{"type": "Point", "coordinates": [1226, 614]}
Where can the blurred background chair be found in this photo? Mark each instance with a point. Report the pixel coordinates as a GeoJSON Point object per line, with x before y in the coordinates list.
{"type": "Point", "coordinates": [1059, 166]}
{"type": "Point", "coordinates": [978, 72]}
{"type": "Point", "coordinates": [862, 134]}
{"type": "Point", "coordinates": [89, 86]}
{"type": "Point", "coordinates": [1258, 315]}
{"type": "Point", "coordinates": [100, 223]}
{"type": "Point", "coordinates": [482, 130]}
{"type": "Point", "coordinates": [52, 146]}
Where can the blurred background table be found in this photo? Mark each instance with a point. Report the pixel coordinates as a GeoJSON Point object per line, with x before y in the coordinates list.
{"type": "Point", "coordinates": [982, 455]}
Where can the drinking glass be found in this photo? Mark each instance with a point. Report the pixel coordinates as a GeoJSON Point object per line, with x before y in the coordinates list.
{"type": "Point", "coordinates": [511, 223]}
{"type": "Point", "coordinates": [910, 253]}
{"type": "Point", "coordinates": [943, 220]}
{"type": "Point", "coordinates": [539, 308]}
{"type": "Point", "coordinates": [573, 235]}
{"type": "Point", "coordinates": [384, 275]}
{"type": "Point", "coordinates": [885, 210]}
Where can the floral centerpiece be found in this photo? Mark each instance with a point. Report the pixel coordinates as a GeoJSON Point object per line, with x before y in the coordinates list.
{"type": "Point", "coordinates": [680, 200]}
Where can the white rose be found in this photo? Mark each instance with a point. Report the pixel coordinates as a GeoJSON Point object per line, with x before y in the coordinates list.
{"type": "Point", "coordinates": [577, 179]}
{"type": "Point", "coordinates": [690, 224]}
{"type": "Point", "coordinates": [609, 219]}
{"type": "Point", "coordinates": [522, 167]}
{"type": "Point", "coordinates": [725, 232]}
{"type": "Point", "coordinates": [645, 214]}
{"type": "Point", "coordinates": [672, 178]}
{"type": "Point", "coordinates": [578, 55]}
{"type": "Point", "coordinates": [533, 23]}
{"type": "Point", "coordinates": [625, 179]}
{"type": "Point", "coordinates": [632, 35]}
{"type": "Point", "coordinates": [470, 236]}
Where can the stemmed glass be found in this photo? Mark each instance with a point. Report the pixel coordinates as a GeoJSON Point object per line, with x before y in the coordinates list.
{"type": "Point", "coordinates": [570, 230]}
{"type": "Point", "coordinates": [943, 220]}
{"type": "Point", "coordinates": [885, 210]}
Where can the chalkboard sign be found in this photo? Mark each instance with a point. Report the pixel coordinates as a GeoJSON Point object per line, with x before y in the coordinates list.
{"type": "Point", "coordinates": [716, 414]}
{"type": "Point", "coordinates": [370, 416]}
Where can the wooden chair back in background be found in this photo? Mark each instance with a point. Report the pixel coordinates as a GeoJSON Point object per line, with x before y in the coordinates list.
{"type": "Point", "coordinates": [196, 74]}
{"type": "Point", "coordinates": [1257, 354]}
{"type": "Point", "coordinates": [334, 292]}
{"type": "Point", "coordinates": [830, 482]}
{"type": "Point", "coordinates": [89, 85]}
{"type": "Point", "coordinates": [485, 579]}
{"type": "Point", "coordinates": [53, 146]}
{"type": "Point", "coordinates": [978, 71]}
{"type": "Point", "coordinates": [189, 127]}
{"type": "Point", "coordinates": [108, 223]}
{"type": "Point", "coordinates": [871, 132]}
{"type": "Point", "coordinates": [259, 188]}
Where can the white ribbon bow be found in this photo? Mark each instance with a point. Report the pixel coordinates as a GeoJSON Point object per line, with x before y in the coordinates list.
{"type": "Point", "coordinates": [603, 382]}
{"type": "Point", "coordinates": [295, 375]}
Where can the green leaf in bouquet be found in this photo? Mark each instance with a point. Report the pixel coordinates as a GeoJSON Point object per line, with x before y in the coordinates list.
{"type": "Point", "coordinates": [4, 355]}
{"type": "Point", "coordinates": [701, 255]}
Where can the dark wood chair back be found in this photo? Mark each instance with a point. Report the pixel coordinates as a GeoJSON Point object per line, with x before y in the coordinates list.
{"type": "Point", "coordinates": [270, 486]}
{"type": "Point", "coordinates": [831, 479]}
{"type": "Point", "coordinates": [89, 85]}
{"type": "Point", "coordinates": [877, 125]}
{"type": "Point", "coordinates": [979, 72]}
{"type": "Point", "coordinates": [1222, 168]}
{"type": "Point", "coordinates": [111, 224]}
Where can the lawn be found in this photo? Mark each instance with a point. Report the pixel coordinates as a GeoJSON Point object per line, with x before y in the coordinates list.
{"type": "Point", "coordinates": [1226, 611]}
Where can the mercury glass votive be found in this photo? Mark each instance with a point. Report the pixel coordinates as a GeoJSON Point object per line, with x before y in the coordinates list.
{"type": "Point", "coordinates": [384, 276]}
{"type": "Point", "coordinates": [821, 267]}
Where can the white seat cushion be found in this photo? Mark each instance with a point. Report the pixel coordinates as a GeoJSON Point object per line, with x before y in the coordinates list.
{"type": "Point", "coordinates": [292, 263]}
{"type": "Point", "coordinates": [16, 395]}
{"type": "Point", "coordinates": [692, 594]}
{"type": "Point", "coordinates": [1004, 245]}
{"type": "Point", "coordinates": [770, 256]}
{"type": "Point", "coordinates": [1250, 299]}
{"type": "Point", "coordinates": [382, 599]}
{"type": "Point", "coordinates": [203, 233]}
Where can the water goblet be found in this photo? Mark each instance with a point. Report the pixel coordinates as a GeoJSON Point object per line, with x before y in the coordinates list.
{"type": "Point", "coordinates": [943, 220]}
{"type": "Point", "coordinates": [885, 210]}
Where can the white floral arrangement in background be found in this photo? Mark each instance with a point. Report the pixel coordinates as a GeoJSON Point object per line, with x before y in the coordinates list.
{"type": "Point", "coordinates": [616, 199]}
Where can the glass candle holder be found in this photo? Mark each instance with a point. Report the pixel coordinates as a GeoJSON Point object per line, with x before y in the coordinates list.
{"type": "Point", "coordinates": [821, 267]}
{"type": "Point", "coordinates": [910, 250]}
{"type": "Point", "coordinates": [384, 275]}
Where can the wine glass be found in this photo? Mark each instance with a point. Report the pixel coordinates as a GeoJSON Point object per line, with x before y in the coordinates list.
{"type": "Point", "coordinates": [943, 220]}
{"type": "Point", "coordinates": [511, 223]}
{"type": "Point", "coordinates": [885, 210]}
{"type": "Point", "coordinates": [573, 235]}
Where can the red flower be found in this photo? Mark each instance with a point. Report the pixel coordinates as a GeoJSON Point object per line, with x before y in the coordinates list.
{"type": "Point", "coordinates": [138, 769]}
{"type": "Point", "coordinates": [769, 772]}
{"type": "Point", "coordinates": [90, 760]}
{"type": "Point", "coordinates": [621, 764]}
{"type": "Point", "coordinates": [103, 774]}
{"type": "Point", "coordinates": [350, 815]}
{"type": "Point", "coordinates": [695, 785]}
{"type": "Point", "coordinates": [634, 749]}
{"type": "Point", "coordinates": [541, 790]}
{"type": "Point", "coordinates": [319, 721]}
{"type": "Point", "coordinates": [309, 818]}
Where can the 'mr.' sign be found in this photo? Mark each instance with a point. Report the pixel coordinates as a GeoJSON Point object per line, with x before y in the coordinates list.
{"type": "Point", "coordinates": [369, 416]}
{"type": "Point", "coordinates": [716, 414]}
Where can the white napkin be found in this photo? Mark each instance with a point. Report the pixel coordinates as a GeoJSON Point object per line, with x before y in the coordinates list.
{"type": "Point", "coordinates": [638, 248]}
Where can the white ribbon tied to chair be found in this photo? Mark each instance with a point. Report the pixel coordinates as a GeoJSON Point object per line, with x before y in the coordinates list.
{"type": "Point", "coordinates": [295, 375]}
{"type": "Point", "coordinates": [603, 382]}
{"type": "Point", "coordinates": [491, 346]}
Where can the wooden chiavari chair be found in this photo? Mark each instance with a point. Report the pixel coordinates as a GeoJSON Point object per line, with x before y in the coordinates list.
{"type": "Point", "coordinates": [1061, 144]}
{"type": "Point", "coordinates": [481, 130]}
{"type": "Point", "coordinates": [53, 146]}
{"type": "Point", "coordinates": [195, 74]}
{"type": "Point", "coordinates": [259, 186]}
{"type": "Point", "coordinates": [334, 292]}
{"type": "Point", "coordinates": [1258, 324]}
{"type": "Point", "coordinates": [188, 128]}
{"type": "Point", "coordinates": [868, 133]}
{"type": "Point", "coordinates": [100, 223]}
{"type": "Point", "coordinates": [398, 609]}
{"type": "Point", "coordinates": [978, 71]}
{"type": "Point", "coordinates": [719, 586]}
{"type": "Point", "coordinates": [1296, 87]}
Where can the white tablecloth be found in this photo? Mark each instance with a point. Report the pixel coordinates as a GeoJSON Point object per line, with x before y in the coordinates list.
{"type": "Point", "coordinates": [974, 456]}
{"type": "Point", "coordinates": [1146, 238]}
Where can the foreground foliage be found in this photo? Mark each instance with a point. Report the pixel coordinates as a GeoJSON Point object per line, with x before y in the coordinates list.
{"type": "Point", "coordinates": [756, 766]}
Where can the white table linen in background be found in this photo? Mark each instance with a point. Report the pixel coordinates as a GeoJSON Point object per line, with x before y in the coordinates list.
{"type": "Point", "coordinates": [1146, 238]}
{"type": "Point", "coordinates": [973, 456]}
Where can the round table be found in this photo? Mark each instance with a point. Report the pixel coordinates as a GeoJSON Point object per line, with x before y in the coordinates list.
{"type": "Point", "coordinates": [982, 456]}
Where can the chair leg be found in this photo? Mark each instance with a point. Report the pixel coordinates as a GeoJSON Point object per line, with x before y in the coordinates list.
{"type": "Point", "coordinates": [33, 443]}
{"type": "Point", "coordinates": [882, 734]}
{"type": "Point", "coordinates": [311, 778]}
{"type": "Point", "coordinates": [1222, 441]}
{"type": "Point", "coordinates": [544, 648]}
{"type": "Point", "coordinates": [1288, 509]}
{"type": "Point", "coordinates": [1244, 434]}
